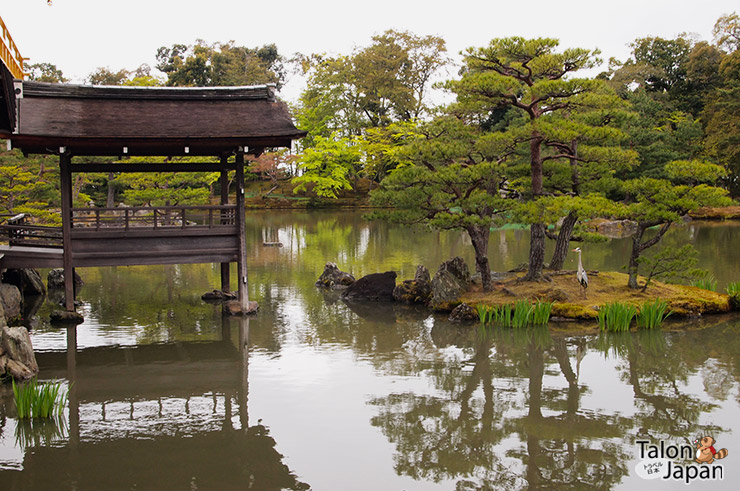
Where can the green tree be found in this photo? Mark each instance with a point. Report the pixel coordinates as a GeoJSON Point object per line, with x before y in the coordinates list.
{"type": "Point", "coordinates": [383, 83]}
{"type": "Point", "coordinates": [722, 121]}
{"type": "Point", "coordinates": [662, 202]}
{"type": "Point", "coordinates": [531, 77]}
{"type": "Point", "coordinates": [448, 186]}
{"type": "Point", "coordinates": [203, 65]}
{"type": "Point", "coordinates": [106, 76]}
{"type": "Point", "coordinates": [45, 72]}
{"type": "Point", "coordinates": [328, 166]}
{"type": "Point", "coordinates": [166, 188]}
{"type": "Point", "coordinates": [727, 32]}
{"type": "Point", "coordinates": [29, 185]}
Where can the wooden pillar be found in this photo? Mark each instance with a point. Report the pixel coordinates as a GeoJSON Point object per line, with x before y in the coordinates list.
{"type": "Point", "coordinates": [65, 172]}
{"type": "Point", "coordinates": [224, 180]}
{"type": "Point", "coordinates": [241, 224]}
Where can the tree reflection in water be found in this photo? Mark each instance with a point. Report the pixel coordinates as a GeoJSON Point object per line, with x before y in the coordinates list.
{"type": "Point", "coordinates": [505, 420]}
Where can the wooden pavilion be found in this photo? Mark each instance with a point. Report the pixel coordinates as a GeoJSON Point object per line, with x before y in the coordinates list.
{"type": "Point", "coordinates": [74, 121]}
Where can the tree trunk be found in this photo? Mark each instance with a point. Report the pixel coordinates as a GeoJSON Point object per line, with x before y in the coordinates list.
{"type": "Point", "coordinates": [536, 252]}
{"type": "Point", "coordinates": [563, 241]}
{"type": "Point", "coordinates": [479, 236]}
{"type": "Point", "coordinates": [537, 230]}
{"type": "Point", "coordinates": [634, 256]}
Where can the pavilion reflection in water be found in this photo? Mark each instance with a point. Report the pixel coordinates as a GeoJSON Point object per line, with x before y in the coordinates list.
{"type": "Point", "coordinates": [172, 416]}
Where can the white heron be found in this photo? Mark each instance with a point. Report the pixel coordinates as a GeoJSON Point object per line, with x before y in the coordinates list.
{"type": "Point", "coordinates": [581, 274]}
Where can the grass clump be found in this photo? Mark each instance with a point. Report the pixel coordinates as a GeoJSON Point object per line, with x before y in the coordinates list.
{"type": "Point", "coordinates": [616, 316]}
{"type": "Point", "coordinates": [485, 313]}
{"type": "Point", "coordinates": [733, 289]}
{"type": "Point", "coordinates": [652, 314]}
{"type": "Point", "coordinates": [502, 315]}
{"type": "Point", "coordinates": [522, 314]}
{"type": "Point", "coordinates": [706, 283]}
{"type": "Point", "coordinates": [541, 313]}
{"type": "Point", "coordinates": [35, 400]}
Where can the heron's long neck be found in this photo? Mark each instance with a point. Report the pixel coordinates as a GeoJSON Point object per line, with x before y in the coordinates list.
{"type": "Point", "coordinates": [580, 264]}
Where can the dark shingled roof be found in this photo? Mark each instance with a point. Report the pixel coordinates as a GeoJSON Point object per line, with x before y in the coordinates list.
{"type": "Point", "coordinates": [101, 120]}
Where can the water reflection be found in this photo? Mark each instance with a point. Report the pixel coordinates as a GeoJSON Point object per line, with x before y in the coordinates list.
{"type": "Point", "coordinates": [168, 415]}
{"type": "Point", "coordinates": [359, 396]}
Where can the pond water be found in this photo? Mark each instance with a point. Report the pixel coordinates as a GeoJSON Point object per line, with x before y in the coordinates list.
{"type": "Point", "coordinates": [312, 393]}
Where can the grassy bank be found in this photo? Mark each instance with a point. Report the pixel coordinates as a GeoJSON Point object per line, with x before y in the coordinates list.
{"type": "Point", "coordinates": [604, 287]}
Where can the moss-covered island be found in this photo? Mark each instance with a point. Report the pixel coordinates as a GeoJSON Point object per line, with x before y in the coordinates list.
{"type": "Point", "coordinates": [569, 302]}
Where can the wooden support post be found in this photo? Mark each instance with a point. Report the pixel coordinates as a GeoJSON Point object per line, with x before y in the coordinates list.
{"type": "Point", "coordinates": [225, 267]}
{"type": "Point", "coordinates": [241, 224]}
{"type": "Point", "coordinates": [66, 188]}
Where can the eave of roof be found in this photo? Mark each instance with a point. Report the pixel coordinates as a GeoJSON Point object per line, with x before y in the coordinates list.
{"type": "Point", "coordinates": [100, 120]}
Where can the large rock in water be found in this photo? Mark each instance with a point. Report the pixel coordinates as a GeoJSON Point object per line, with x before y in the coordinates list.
{"type": "Point", "coordinates": [17, 358]}
{"type": "Point", "coordinates": [451, 280]}
{"type": "Point", "coordinates": [334, 278]}
{"type": "Point", "coordinates": [11, 300]}
{"type": "Point", "coordinates": [418, 290]}
{"type": "Point", "coordinates": [375, 286]}
{"type": "Point", "coordinates": [55, 279]}
{"type": "Point", "coordinates": [27, 280]}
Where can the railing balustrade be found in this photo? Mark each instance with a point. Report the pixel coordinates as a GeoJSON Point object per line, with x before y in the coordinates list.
{"type": "Point", "coordinates": [141, 218]}
{"type": "Point", "coordinates": [18, 232]}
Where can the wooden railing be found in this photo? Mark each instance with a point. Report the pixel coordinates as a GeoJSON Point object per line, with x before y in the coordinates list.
{"type": "Point", "coordinates": [20, 233]}
{"type": "Point", "coordinates": [10, 54]}
{"type": "Point", "coordinates": [142, 218]}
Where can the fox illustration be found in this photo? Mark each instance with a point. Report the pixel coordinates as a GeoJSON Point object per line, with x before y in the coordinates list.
{"type": "Point", "coordinates": [705, 452]}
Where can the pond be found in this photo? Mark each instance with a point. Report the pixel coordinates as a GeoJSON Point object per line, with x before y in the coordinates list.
{"type": "Point", "coordinates": [312, 393]}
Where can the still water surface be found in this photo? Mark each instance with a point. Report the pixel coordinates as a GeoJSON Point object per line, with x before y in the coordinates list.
{"type": "Point", "coordinates": [165, 393]}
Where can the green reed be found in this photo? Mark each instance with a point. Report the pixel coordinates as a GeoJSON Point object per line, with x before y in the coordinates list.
{"type": "Point", "coordinates": [706, 283]}
{"type": "Point", "coordinates": [616, 316]}
{"type": "Point", "coordinates": [522, 314]}
{"type": "Point", "coordinates": [35, 400]}
{"type": "Point", "coordinates": [652, 314]}
{"type": "Point", "coordinates": [485, 313]}
{"type": "Point", "coordinates": [541, 313]}
{"type": "Point", "coordinates": [733, 289]}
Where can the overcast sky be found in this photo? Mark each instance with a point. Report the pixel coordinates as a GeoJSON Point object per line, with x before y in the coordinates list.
{"type": "Point", "coordinates": [80, 35]}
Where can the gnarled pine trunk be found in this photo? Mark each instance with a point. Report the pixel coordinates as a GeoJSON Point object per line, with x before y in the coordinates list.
{"type": "Point", "coordinates": [563, 241]}
{"type": "Point", "coordinates": [479, 236]}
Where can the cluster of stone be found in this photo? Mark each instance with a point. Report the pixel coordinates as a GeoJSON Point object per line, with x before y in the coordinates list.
{"type": "Point", "coordinates": [442, 292]}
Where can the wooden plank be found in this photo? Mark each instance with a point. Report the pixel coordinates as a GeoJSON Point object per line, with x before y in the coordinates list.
{"type": "Point", "coordinates": [152, 167]}
{"type": "Point", "coordinates": [150, 232]}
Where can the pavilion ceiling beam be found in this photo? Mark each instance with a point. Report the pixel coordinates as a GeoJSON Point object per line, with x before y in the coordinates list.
{"type": "Point", "coordinates": [155, 167]}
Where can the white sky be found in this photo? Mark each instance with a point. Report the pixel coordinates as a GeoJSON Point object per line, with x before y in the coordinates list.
{"type": "Point", "coordinates": [80, 35]}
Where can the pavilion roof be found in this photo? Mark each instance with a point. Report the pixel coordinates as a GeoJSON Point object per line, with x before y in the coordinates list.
{"type": "Point", "coordinates": [102, 120]}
